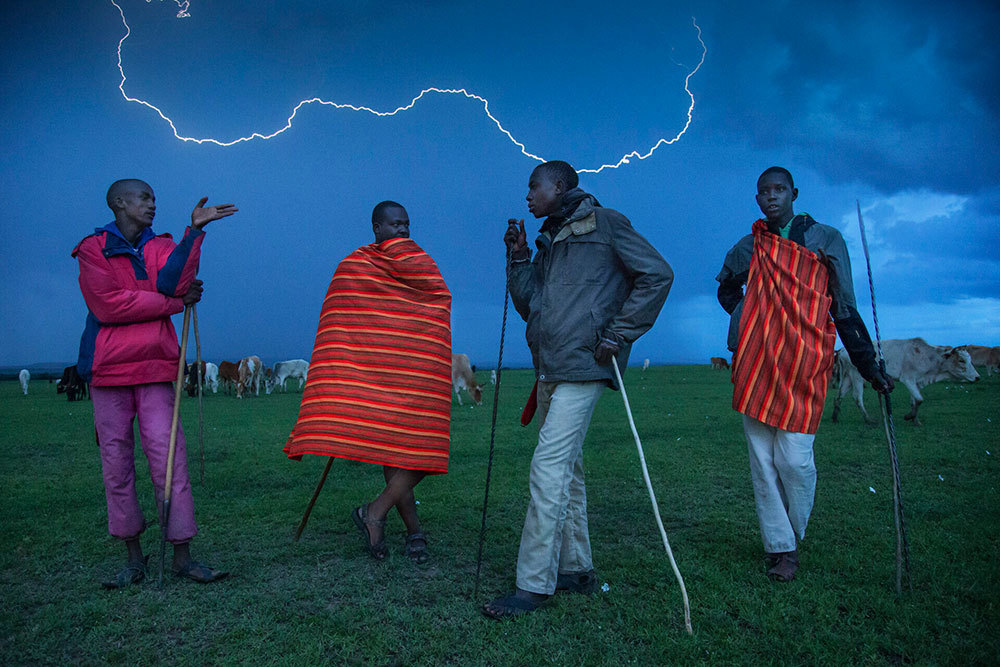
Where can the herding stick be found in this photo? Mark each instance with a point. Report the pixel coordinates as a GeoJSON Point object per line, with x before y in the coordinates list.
{"type": "Point", "coordinates": [309, 509]}
{"type": "Point", "coordinates": [652, 498]}
{"type": "Point", "coordinates": [175, 420]}
{"type": "Point", "coordinates": [201, 408]}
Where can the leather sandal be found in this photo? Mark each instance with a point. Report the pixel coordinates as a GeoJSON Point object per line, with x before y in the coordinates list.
{"type": "Point", "coordinates": [362, 520]}
{"type": "Point", "coordinates": [416, 552]}
{"type": "Point", "coordinates": [133, 573]}
{"type": "Point", "coordinates": [577, 582]}
{"type": "Point", "coordinates": [785, 568]}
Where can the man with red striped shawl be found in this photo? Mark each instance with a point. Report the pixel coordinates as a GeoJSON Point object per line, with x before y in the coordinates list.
{"type": "Point", "coordinates": [799, 295]}
{"type": "Point", "coordinates": [379, 387]}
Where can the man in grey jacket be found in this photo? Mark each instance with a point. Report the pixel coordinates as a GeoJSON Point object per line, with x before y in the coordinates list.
{"type": "Point", "coordinates": [594, 286]}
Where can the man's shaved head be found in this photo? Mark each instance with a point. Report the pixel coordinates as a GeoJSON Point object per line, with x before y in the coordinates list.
{"type": "Point", "coordinates": [559, 170]}
{"type": "Point", "coordinates": [378, 213]}
{"type": "Point", "coordinates": [119, 188]}
{"type": "Point", "coordinates": [778, 170]}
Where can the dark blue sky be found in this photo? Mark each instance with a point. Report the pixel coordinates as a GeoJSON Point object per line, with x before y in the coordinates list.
{"type": "Point", "coordinates": [895, 104]}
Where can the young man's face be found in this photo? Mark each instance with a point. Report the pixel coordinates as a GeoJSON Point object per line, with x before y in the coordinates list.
{"type": "Point", "coordinates": [775, 196]}
{"type": "Point", "coordinates": [544, 194]}
{"type": "Point", "coordinates": [139, 205]}
{"type": "Point", "coordinates": [394, 224]}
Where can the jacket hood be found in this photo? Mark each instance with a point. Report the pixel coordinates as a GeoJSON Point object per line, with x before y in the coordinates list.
{"type": "Point", "coordinates": [576, 205]}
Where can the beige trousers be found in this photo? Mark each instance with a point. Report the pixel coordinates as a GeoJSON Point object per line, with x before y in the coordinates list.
{"type": "Point", "coordinates": [784, 482]}
{"type": "Point", "coordinates": [555, 537]}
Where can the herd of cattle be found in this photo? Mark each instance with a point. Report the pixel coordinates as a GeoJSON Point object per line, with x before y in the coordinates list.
{"type": "Point", "coordinates": [911, 362]}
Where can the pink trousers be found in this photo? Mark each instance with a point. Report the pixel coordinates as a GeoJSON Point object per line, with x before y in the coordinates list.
{"type": "Point", "coordinates": [115, 410]}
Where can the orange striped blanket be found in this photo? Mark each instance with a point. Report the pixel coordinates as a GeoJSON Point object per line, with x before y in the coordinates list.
{"type": "Point", "coordinates": [785, 355]}
{"type": "Point", "coordinates": [379, 387]}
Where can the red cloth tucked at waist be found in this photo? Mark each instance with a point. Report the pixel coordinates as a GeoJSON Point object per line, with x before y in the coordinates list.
{"type": "Point", "coordinates": [379, 387]}
{"type": "Point", "coordinates": [785, 355]}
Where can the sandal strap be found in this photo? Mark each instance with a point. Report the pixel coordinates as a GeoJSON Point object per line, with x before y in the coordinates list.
{"type": "Point", "coordinates": [413, 537]}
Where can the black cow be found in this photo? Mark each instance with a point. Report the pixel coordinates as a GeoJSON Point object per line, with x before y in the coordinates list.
{"type": "Point", "coordinates": [191, 378]}
{"type": "Point", "coordinates": [72, 385]}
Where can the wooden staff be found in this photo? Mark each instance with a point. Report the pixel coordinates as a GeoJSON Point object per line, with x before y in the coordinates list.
{"type": "Point", "coordinates": [309, 509]}
{"type": "Point", "coordinates": [175, 420]}
{"type": "Point", "coordinates": [652, 498]}
{"type": "Point", "coordinates": [201, 409]}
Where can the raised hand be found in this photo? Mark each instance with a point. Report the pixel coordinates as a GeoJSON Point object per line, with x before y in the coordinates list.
{"type": "Point", "coordinates": [516, 239]}
{"type": "Point", "coordinates": [201, 215]}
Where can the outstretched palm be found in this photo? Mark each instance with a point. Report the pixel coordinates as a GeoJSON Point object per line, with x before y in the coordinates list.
{"type": "Point", "coordinates": [202, 215]}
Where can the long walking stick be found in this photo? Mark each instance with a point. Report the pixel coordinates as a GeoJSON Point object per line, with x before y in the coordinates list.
{"type": "Point", "coordinates": [493, 429]}
{"type": "Point", "coordinates": [902, 545]}
{"type": "Point", "coordinates": [173, 440]}
{"type": "Point", "coordinates": [652, 498]}
{"type": "Point", "coordinates": [201, 408]}
{"type": "Point", "coordinates": [312, 501]}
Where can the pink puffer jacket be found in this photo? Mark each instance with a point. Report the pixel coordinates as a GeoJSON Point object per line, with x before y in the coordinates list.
{"type": "Point", "coordinates": [131, 292]}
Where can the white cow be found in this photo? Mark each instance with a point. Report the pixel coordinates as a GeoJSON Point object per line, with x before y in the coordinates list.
{"type": "Point", "coordinates": [23, 378]}
{"type": "Point", "coordinates": [212, 376]}
{"type": "Point", "coordinates": [463, 377]}
{"type": "Point", "coordinates": [294, 368]}
{"type": "Point", "coordinates": [250, 372]}
{"type": "Point", "coordinates": [493, 376]}
{"type": "Point", "coordinates": [911, 361]}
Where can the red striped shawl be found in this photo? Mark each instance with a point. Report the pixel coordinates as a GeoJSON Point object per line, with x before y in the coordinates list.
{"type": "Point", "coordinates": [379, 387]}
{"type": "Point", "coordinates": [785, 354]}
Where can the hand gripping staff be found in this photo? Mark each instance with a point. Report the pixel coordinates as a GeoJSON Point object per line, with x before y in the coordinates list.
{"type": "Point", "coordinates": [165, 514]}
{"type": "Point", "coordinates": [652, 498]}
{"type": "Point", "coordinates": [902, 545]}
{"type": "Point", "coordinates": [493, 429]}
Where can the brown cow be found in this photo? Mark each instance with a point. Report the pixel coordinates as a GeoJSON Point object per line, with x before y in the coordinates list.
{"type": "Point", "coordinates": [463, 377]}
{"type": "Point", "coordinates": [985, 356]}
{"type": "Point", "coordinates": [250, 373]}
{"type": "Point", "coordinates": [229, 375]}
{"type": "Point", "coordinates": [718, 363]}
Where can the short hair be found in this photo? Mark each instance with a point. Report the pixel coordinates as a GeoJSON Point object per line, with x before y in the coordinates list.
{"type": "Point", "coordinates": [778, 170]}
{"type": "Point", "coordinates": [559, 170]}
{"type": "Point", "coordinates": [378, 213]}
{"type": "Point", "coordinates": [119, 187]}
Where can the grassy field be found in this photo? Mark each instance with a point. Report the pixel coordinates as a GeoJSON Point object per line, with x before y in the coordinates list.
{"type": "Point", "coordinates": [322, 600]}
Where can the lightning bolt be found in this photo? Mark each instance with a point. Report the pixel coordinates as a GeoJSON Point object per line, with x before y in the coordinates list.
{"type": "Point", "coordinates": [184, 5]}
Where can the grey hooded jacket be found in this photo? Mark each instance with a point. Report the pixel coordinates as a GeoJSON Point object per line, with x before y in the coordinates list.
{"type": "Point", "coordinates": [593, 276]}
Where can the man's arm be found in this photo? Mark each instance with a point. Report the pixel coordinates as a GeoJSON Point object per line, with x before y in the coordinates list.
{"type": "Point", "coordinates": [175, 276]}
{"type": "Point", "coordinates": [181, 265]}
{"type": "Point", "coordinates": [850, 327]}
{"type": "Point", "coordinates": [522, 274]}
{"type": "Point", "coordinates": [651, 278]}
{"type": "Point", "coordinates": [733, 276]}
{"type": "Point", "coordinates": [109, 302]}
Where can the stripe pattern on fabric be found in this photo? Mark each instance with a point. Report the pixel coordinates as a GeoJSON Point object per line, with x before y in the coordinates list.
{"type": "Point", "coordinates": [379, 387]}
{"type": "Point", "coordinates": [785, 355]}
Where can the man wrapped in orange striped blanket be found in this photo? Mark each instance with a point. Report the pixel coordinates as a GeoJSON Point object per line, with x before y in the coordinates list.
{"type": "Point", "coordinates": [797, 274]}
{"type": "Point", "coordinates": [379, 387]}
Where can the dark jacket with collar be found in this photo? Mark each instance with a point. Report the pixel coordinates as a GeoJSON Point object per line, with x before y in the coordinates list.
{"type": "Point", "coordinates": [593, 276]}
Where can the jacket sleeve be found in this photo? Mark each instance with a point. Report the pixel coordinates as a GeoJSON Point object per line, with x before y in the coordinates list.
{"type": "Point", "coordinates": [733, 276]}
{"type": "Point", "coordinates": [111, 303]}
{"type": "Point", "coordinates": [651, 279]}
{"type": "Point", "coordinates": [181, 267]}
{"type": "Point", "coordinates": [850, 327]}
{"type": "Point", "coordinates": [522, 286]}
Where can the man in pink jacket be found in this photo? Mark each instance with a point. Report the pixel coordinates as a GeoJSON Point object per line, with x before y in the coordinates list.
{"type": "Point", "coordinates": [133, 281]}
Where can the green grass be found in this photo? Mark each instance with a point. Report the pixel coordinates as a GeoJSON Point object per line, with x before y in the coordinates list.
{"type": "Point", "coordinates": [322, 600]}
